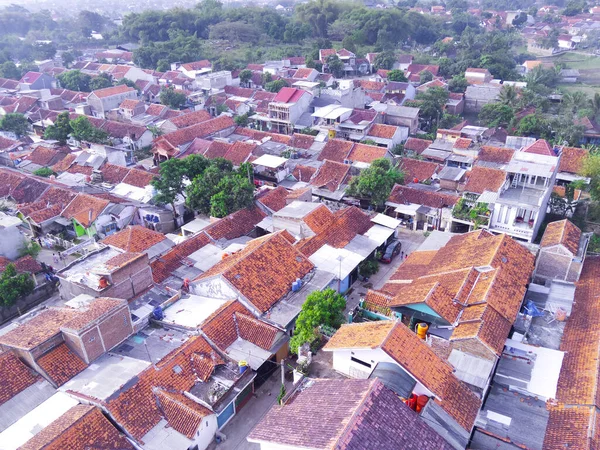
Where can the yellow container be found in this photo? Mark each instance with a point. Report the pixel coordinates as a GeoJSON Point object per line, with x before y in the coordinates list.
{"type": "Point", "coordinates": [422, 330]}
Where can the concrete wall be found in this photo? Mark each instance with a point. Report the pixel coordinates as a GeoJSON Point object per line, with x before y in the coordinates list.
{"type": "Point", "coordinates": [206, 432]}
{"type": "Point", "coordinates": [12, 242]}
{"type": "Point", "coordinates": [474, 347]}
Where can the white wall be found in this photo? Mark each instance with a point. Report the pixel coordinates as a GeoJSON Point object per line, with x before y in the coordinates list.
{"type": "Point", "coordinates": [343, 364]}
{"type": "Point", "coordinates": [214, 288]}
{"type": "Point", "coordinates": [206, 432]}
{"type": "Point", "coordinates": [11, 242]}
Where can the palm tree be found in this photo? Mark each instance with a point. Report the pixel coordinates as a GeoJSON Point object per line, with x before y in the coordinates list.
{"type": "Point", "coordinates": [595, 104]}
{"type": "Point", "coordinates": [508, 96]}
{"type": "Point", "coordinates": [574, 101]}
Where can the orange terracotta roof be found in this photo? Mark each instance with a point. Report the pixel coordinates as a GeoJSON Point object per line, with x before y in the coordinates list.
{"type": "Point", "coordinates": [495, 154]}
{"type": "Point", "coordinates": [135, 239]}
{"type": "Point", "coordinates": [562, 232]}
{"type": "Point", "coordinates": [64, 164]}
{"type": "Point", "coordinates": [113, 174]}
{"type": "Point", "coordinates": [16, 376]}
{"type": "Point", "coordinates": [335, 150]}
{"type": "Point", "coordinates": [366, 153]}
{"type": "Point", "coordinates": [319, 219]}
{"type": "Point", "coordinates": [462, 143]}
{"type": "Point", "coordinates": [39, 329]}
{"type": "Point", "coordinates": [217, 149]}
{"type": "Point", "coordinates": [235, 225]}
{"type": "Point", "coordinates": [331, 175]}
{"type": "Point", "coordinates": [93, 311]}
{"type": "Point", "coordinates": [303, 141]}
{"type": "Point", "coordinates": [85, 209]}
{"type": "Point", "coordinates": [114, 90]}
{"type": "Point", "coordinates": [136, 408]}
{"type": "Point", "coordinates": [171, 260]}
{"type": "Point", "coordinates": [239, 152]}
{"type": "Point", "coordinates": [182, 413]}
{"type": "Point", "coordinates": [303, 173]}
{"type": "Point", "coordinates": [274, 199]}
{"type": "Point", "coordinates": [485, 179]}
{"type": "Point", "coordinates": [404, 194]}
{"type": "Point", "coordinates": [61, 364]}
{"type": "Point", "coordinates": [418, 170]}
{"type": "Point", "coordinates": [346, 224]}
{"type": "Point", "coordinates": [80, 427]}
{"type": "Point", "coordinates": [138, 178]}
{"type": "Point", "coordinates": [364, 335]}
{"type": "Point", "coordinates": [382, 131]}
{"type": "Point", "coordinates": [263, 271]}
{"type": "Point", "coordinates": [189, 119]}
{"type": "Point", "coordinates": [571, 160]}
{"type": "Point", "coordinates": [540, 147]}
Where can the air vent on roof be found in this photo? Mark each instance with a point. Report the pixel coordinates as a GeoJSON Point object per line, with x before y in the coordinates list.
{"type": "Point", "coordinates": [238, 276]}
{"type": "Point", "coordinates": [504, 259]}
{"type": "Point", "coordinates": [177, 369]}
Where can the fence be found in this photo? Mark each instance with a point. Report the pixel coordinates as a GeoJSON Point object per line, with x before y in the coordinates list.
{"type": "Point", "coordinates": [38, 296]}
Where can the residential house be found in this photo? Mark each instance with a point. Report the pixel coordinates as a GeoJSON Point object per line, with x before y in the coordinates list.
{"type": "Point", "coordinates": [403, 62]}
{"type": "Point", "coordinates": [521, 205]}
{"type": "Point", "coordinates": [13, 241]}
{"type": "Point", "coordinates": [402, 116]}
{"type": "Point", "coordinates": [185, 120]}
{"type": "Point", "coordinates": [193, 69]}
{"type": "Point", "coordinates": [571, 164]}
{"type": "Point", "coordinates": [566, 42]}
{"type": "Point", "coordinates": [212, 83]}
{"type": "Point", "coordinates": [416, 146]}
{"type": "Point", "coordinates": [366, 350]}
{"type": "Point", "coordinates": [478, 76]}
{"type": "Point", "coordinates": [130, 108]}
{"type": "Point", "coordinates": [83, 212]}
{"type": "Point", "coordinates": [35, 81]}
{"type": "Point", "coordinates": [270, 170]}
{"type": "Point", "coordinates": [285, 110]}
{"type": "Point", "coordinates": [331, 180]}
{"type": "Point", "coordinates": [347, 408]}
{"type": "Point", "coordinates": [417, 171]}
{"type": "Point", "coordinates": [387, 136]}
{"type": "Point", "coordinates": [137, 239]}
{"type": "Point", "coordinates": [562, 252]}
{"type": "Point", "coordinates": [107, 99]}
{"type": "Point", "coordinates": [477, 96]}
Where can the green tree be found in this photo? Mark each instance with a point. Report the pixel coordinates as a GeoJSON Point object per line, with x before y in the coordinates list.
{"type": "Point", "coordinates": [431, 104]}
{"type": "Point", "coordinates": [566, 130]}
{"type": "Point", "coordinates": [67, 58]}
{"type": "Point", "coordinates": [43, 172]}
{"type": "Point", "coordinates": [172, 98]}
{"type": "Point", "coordinates": [496, 114]}
{"type": "Point", "coordinates": [266, 77]}
{"type": "Point", "coordinates": [320, 308]}
{"type": "Point", "coordinates": [245, 76]}
{"type": "Point", "coordinates": [103, 80]}
{"type": "Point", "coordinates": [532, 125]}
{"type": "Point", "coordinates": [385, 60]}
{"type": "Point", "coordinates": [458, 83]}
{"type": "Point", "coordinates": [15, 122]}
{"type": "Point", "coordinates": [425, 77]}
{"type": "Point", "coordinates": [396, 75]}
{"type": "Point", "coordinates": [376, 182]}
{"type": "Point", "coordinates": [75, 80]}
{"type": "Point", "coordinates": [171, 181]}
{"type": "Point", "coordinates": [449, 120]}
{"type": "Point", "coordinates": [275, 86]}
{"type": "Point", "coordinates": [60, 130]}
{"type": "Point", "coordinates": [591, 169]}
{"type": "Point", "coordinates": [335, 66]}
{"type": "Point", "coordinates": [508, 96]}
{"type": "Point", "coordinates": [163, 65]}
{"type": "Point", "coordinates": [8, 69]}
{"type": "Point", "coordinates": [573, 102]}
{"type": "Point", "coordinates": [14, 286]}
{"type": "Point", "coordinates": [83, 130]}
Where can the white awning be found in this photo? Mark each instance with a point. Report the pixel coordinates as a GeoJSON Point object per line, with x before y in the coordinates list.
{"type": "Point", "coordinates": [386, 221]}
{"type": "Point", "coordinates": [410, 209]}
{"type": "Point", "coordinates": [270, 161]}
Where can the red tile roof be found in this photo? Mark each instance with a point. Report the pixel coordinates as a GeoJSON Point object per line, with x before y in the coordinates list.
{"type": "Point", "coordinates": [417, 145]}
{"type": "Point", "coordinates": [495, 154]}
{"type": "Point", "coordinates": [171, 260]}
{"type": "Point", "coordinates": [404, 194]}
{"type": "Point", "coordinates": [138, 178]}
{"type": "Point", "coordinates": [23, 264]}
{"type": "Point", "coordinates": [85, 209]}
{"type": "Point", "coordinates": [136, 407]}
{"type": "Point", "coordinates": [189, 119]}
{"type": "Point", "coordinates": [331, 175]}
{"type": "Point", "coordinates": [200, 130]}
{"type": "Point", "coordinates": [263, 271]}
{"type": "Point", "coordinates": [540, 147]}
{"type": "Point", "coordinates": [303, 173]}
{"type": "Point", "coordinates": [61, 364]}
{"type": "Point", "coordinates": [571, 160]}
{"type": "Point", "coordinates": [366, 153]}
{"type": "Point", "coordinates": [485, 179]}
{"type": "Point", "coordinates": [81, 427]}
{"type": "Point", "coordinates": [114, 90]}
{"type": "Point", "coordinates": [181, 412]}
{"type": "Point", "coordinates": [382, 131]}
{"type": "Point", "coordinates": [113, 174]}
{"type": "Point", "coordinates": [274, 199]}
{"type": "Point", "coordinates": [16, 376]}
{"type": "Point", "coordinates": [289, 95]}
{"type": "Point", "coordinates": [303, 141]}
{"type": "Point", "coordinates": [217, 149]}
{"type": "Point", "coordinates": [235, 225]}
{"type": "Point", "coordinates": [240, 152]}
{"type": "Point", "coordinates": [562, 232]}
{"type": "Point", "coordinates": [134, 238]}
{"type": "Point", "coordinates": [420, 171]}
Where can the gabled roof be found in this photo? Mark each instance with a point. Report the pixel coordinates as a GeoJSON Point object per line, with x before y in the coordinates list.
{"type": "Point", "coordinates": [571, 160]}
{"type": "Point", "coordinates": [16, 376]}
{"type": "Point", "coordinates": [239, 152]}
{"type": "Point", "coordinates": [235, 225]}
{"type": "Point", "coordinates": [138, 178]}
{"type": "Point", "coordinates": [416, 357]}
{"type": "Point", "coordinates": [562, 232]}
{"type": "Point", "coordinates": [540, 147]}
{"type": "Point", "coordinates": [417, 171]}
{"type": "Point", "coordinates": [417, 145]}
{"type": "Point", "coordinates": [85, 209]}
{"type": "Point", "coordinates": [135, 406]}
{"type": "Point", "coordinates": [405, 195]}
{"type": "Point", "coordinates": [346, 414]}
{"type": "Point", "coordinates": [289, 95]}
{"type": "Point", "coordinates": [61, 364]}
{"type": "Point", "coordinates": [331, 175]}
{"type": "Point", "coordinates": [80, 427]}
{"type": "Point", "coordinates": [113, 174]}
{"type": "Point", "coordinates": [171, 260]}
{"type": "Point", "coordinates": [263, 272]}
{"type": "Point", "coordinates": [499, 155]}
{"type": "Point", "coordinates": [274, 199]}
{"type": "Point", "coordinates": [382, 131]}
{"type": "Point", "coordinates": [200, 130]}
{"type": "Point", "coordinates": [366, 153]}
{"type": "Point", "coordinates": [189, 119]}
{"type": "Point", "coordinates": [303, 173]}
{"type": "Point", "coordinates": [485, 179]}
{"type": "Point", "coordinates": [181, 412]}
{"type": "Point", "coordinates": [113, 90]}
{"type": "Point", "coordinates": [234, 321]}
{"type": "Point", "coordinates": [134, 238]}
{"type": "Point", "coordinates": [336, 150]}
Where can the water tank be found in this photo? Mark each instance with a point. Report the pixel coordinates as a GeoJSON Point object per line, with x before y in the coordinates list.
{"type": "Point", "coordinates": [295, 286]}
{"type": "Point", "coordinates": [243, 365]}
{"type": "Point", "coordinates": [158, 313]}
{"type": "Point", "coordinates": [422, 330]}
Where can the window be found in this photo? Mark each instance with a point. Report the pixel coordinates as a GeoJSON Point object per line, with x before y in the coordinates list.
{"type": "Point", "coordinates": [507, 215]}
{"type": "Point", "coordinates": [358, 361]}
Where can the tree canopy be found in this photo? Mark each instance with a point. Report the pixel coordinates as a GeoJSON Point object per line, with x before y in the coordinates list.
{"type": "Point", "coordinates": [396, 75]}
{"type": "Point", "coordinates": [320, 308]}
{"type": "Point", "coordinates": [376, 182]}
{"type": "Point", "coordinates": [15, 123]}
{"type": "Point", "coordinates": [14, 286]}
{"type": "Point", "coordinates": [171, 98]}
{"type": "Point", "coordinates": [75, 80]}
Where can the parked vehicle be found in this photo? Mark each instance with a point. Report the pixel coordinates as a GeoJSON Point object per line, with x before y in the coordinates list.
{"type": "Point", "coordinates": [392, 250]}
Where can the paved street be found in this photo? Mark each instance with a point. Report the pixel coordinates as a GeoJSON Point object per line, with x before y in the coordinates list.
{"type": "Point", "coordinates": [411, 240]}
